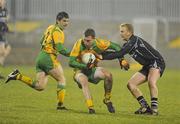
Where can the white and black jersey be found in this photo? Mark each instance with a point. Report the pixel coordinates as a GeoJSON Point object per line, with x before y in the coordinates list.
{"type": "Point", "coordinates": [141, 51]}
{"type": "Point", "coordinates": [3, 14]}
{"type": "Point", "coordinates": [3, 24]}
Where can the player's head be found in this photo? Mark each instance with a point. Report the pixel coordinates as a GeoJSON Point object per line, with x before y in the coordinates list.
{"type": "Point", "coordinates": [62, 19]}
{"type": "Point", "coordinates": [2, 3]}
{"type": "Point", "coordinates": [126, 31]}
{"type": "Point", "coordinates": [89, 36]}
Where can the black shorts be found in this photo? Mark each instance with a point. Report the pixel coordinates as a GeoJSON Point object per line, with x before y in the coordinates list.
{"type": "Point", "coordinates": [3, 27]}
{"type": "Point", "coordinates": [2, 37]}
{"type": "Point", "coordinates": [3, 30]}
{"type": "Point", "coordinates": [155, 64]}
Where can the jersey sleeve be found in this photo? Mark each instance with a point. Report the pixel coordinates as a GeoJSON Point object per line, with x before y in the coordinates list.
{"type": "Point", "coordinates": [62, 50]}
{"type": "Point", "coordinates": [76, 49]}
{"type": "Point", "coordinates": [58, 38]}
{"type": "Point", "coordinates": [119, 54]}
{"type": "Point", "coordinates": [75, 64]}
{"type": "Point", "coordinates": [114, 46]}
{"type": "Point", "coordinates": [74, 56]}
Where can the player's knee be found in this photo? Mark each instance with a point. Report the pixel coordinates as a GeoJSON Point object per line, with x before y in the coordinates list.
{"type": "Point", "coordinates": [61, 79]}
{"type": "Point", "coordinates": [152, 84]}
{"type": "Point", "coordinates": [131, 86]}
{"type": "Point", "coordinates": [128, 86]}
{"type": "Point", "coordinates": [108, 76]}
{"type": "Point", "coordinates": [84, 83]}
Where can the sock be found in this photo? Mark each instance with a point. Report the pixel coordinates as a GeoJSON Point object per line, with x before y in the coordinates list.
{"type": "Point", "coordinates": [142, 101]}
{"type": "Point", "coordinates": [25, 79]}
{"type": "Point", "coordinates": [154, 103]}
{"type": "Point", "coordinates": [61, 93]}
{"type": "Point", "coordinates": [89, 103]}
{"type": "Point", "coordinates": [107, 97]}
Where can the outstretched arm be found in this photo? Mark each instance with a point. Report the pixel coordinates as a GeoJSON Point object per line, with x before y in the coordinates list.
{"type": "Point", "coordinates": [58, 37]}
{"type": "Point", "coordinates": [114, 46]}
{"type": "Point", "coordinates": [118, 54]}
{"type": "Point", "coordinates": [75, 64]}
{"type": "Point", "coordinates": [62, 50]}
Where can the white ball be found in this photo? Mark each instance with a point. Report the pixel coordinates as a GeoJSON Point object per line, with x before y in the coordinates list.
{"type": "Point", "coordinates": [88, 57]}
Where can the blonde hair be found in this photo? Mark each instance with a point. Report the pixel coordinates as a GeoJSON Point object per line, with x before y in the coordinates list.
{"type": "Point", "coordinates": [128, 26]}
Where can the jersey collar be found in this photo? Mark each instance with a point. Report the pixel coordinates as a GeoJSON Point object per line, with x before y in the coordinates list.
{"type": "Point", "coordinates": [132, 38]}
{"type": "Point", "coordinates": [93, 44]}
{"type": "Point", "coordinates": [60, 27]}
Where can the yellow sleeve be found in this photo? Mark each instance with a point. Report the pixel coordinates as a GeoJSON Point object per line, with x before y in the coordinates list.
{"type": "Point", "coordinates": [76, 49]}
{"type": "Point", "coordinates": [58, 37]}
{"type": "Point", "coordinates": [102, 44]}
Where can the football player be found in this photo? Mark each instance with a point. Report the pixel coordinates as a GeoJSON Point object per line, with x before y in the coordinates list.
{"type": "Point", "coordinates": [153, 67]}
{"type": "Point", "coordinates": [47, 62]}
{"type": "Point", "coordinates": [5, 47]}
{"type": "Point", "coordinates": [85, 73]}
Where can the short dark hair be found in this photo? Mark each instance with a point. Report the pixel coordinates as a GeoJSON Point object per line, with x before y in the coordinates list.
{"type": "Point", "coordinates": [62, 15]}
{"type": "Point", "coordinates": [90, 32]}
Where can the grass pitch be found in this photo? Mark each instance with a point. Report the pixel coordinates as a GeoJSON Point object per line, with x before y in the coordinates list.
{"type": "Point", "coordinates": [20, 104]}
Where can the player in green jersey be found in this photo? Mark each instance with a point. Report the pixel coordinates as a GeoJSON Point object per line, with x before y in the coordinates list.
{"type": "Point", "coordinates": [92, 73]}
{"type": "Point", "coordinates": [47, 62]}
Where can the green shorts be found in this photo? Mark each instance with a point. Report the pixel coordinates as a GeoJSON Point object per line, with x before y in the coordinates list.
{"type": "Point", "coordinates": [90, 75]}
{"type": "Point", "coordinates": [45, 62]}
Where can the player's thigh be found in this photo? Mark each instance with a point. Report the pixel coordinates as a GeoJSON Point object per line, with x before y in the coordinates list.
{"type": "Point", "coordinates": [41, 78]}
{"type": "Point", "coordinates": [8, 49]}
{"type": "Point", "coordinates": [154, 75]}
{"type": "Point", "coordinates": [58, 74]}
{"type": "Point", "coordinates": [102, 73]}
{"type": "Point", "coordinates": [137, 79]}
{"type": "Point", "coordinates": [2, 48]}
{"type": "Point", "coordinates": [43, 62]}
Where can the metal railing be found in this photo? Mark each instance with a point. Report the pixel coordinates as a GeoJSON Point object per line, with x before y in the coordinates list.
{"type": "Point", "coordinates": [94, 9]}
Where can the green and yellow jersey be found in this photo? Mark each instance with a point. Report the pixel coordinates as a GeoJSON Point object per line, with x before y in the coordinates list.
{"type": "Point", "coordinates": [51, 45]}
{"type": "Point", "coordinates": [99, 46]}
{"type": "Point", "coordinates": [53, 40]}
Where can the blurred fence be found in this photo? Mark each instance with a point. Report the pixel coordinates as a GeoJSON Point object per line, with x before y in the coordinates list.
{"type": "Point", "coordinates": [102, 15]}
{"type": "Point", "coordinates": [95, 9]}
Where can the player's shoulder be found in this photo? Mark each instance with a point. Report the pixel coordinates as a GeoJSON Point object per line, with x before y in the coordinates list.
{"type": "Point", "coordinates": [100, 40]}
{"type": "Point", "coordinates": [79, 41]}
{"type": "Point", "coordinates": [58, 29]}
{"type": "Point", "coordinates": [102, 43]}
{"type": "Point", "coordinates": [50, 26]}
{"type": "Point", "coordinates": [54, 28]}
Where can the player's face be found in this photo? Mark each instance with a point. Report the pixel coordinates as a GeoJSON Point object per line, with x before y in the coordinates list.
{"type": "Point", "coordinates": [88, 41]}
{"type": "Point", "coordinates": [63, 22]}
{"type": "Point", "coordinates": [125, 34]}
{"type": "Point", "coordinates": [2, 3]}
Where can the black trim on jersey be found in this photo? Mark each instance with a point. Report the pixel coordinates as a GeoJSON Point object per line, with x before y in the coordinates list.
{"type": "Point", "coordinates": [3, 12]}
{"type": "Point", "coordinates": [138, 49]}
